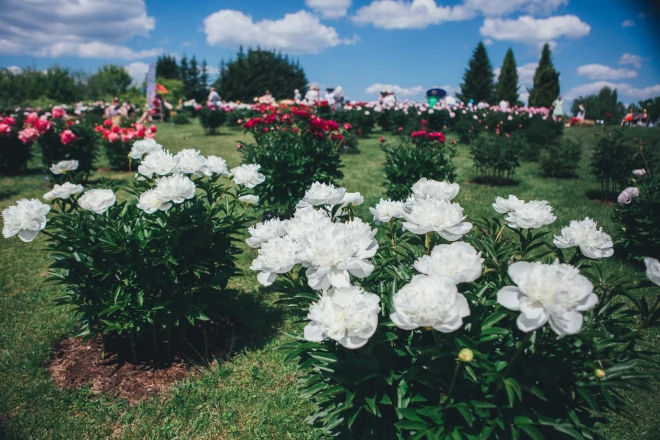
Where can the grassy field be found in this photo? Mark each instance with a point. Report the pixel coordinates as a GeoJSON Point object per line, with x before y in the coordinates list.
{"type": "Point", "coordinates": [253, 394]}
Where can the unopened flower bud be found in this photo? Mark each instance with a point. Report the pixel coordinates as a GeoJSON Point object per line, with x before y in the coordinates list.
{"type": "Point", "coordinates": [465, 355]}
{"type": "Point", "coordinates": [599, 373]}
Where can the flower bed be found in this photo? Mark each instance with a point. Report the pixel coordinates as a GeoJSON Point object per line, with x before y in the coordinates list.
{"type": "Point", "coordinates": [118, 142]}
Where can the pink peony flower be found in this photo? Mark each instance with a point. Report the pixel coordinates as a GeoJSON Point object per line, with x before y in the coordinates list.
{"type": "Point", "coordinates": [67, 137]}
{"type": "Point", "coordinates": [5, 129]}
{"type": "Point", "coordinates": [112, 137]}
{"type": "Point", "coordinates": [9, 121]}
{"type": "Point", "coordinates": [382, 139]}
{"type": "Point", "coordinates": [31, 118]}
{"type": "Point", "coordinates": [59, 112]}
{"type": "Point", "coordinates": [639, 173]}
{"type": "Point", "coordinates": [42, 125]}
{"type": "Point", "coordinates": [28, 135]}
{"type": "Point", "coordinates": [627, 195]}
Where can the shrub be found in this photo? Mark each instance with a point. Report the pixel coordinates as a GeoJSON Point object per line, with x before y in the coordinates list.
{"type": "Point", "coordinates": [612, 159]}
{"type": "Point", "coordinates": [561, 159]}
{"type": "Point", "coordinates": [238, 117]}
{"type": "Point", "coordinates": [421, 154]}
{"type": "Point", "coordinates": [211, 118]}
{"type": "Point", "coordinates": [14, 151]}
{"type": "Point", "coordinates": [133, 271]}
{"type": "Point", "coordinates": [57, 145]}
{"type": "Point", "coordinates": [294, 152]}
{"type": "Point", "coordinates": [361, 118]}
{"type": "Point", "coordinates": [349, 144]}
{"type": "Point", "coordinates": [180, 119]}
{"type": "Point", "coordinates": [467, 130]}
{"type": "Point", "coordinates": [539, 134]}
{"type": "Point", "coordinates": [496, 157]}
{"type": "Point", "coordinates": [118, 142]}
{"type": "Point", "coordinates": [414, 336]}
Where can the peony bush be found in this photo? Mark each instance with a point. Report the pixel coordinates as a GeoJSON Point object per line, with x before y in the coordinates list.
{"type": "Point", "coordinates": [118, 142]}
{"type": "Point", "coordinates": [144, 265]}
{"type": "Point", "coordinates": [211, 118]}
{"type": "Point", "coordinates": [15, 145]}
{"type": "Point", "coordinates": [422, 324]}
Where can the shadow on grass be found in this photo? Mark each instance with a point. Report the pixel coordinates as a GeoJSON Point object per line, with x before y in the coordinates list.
{"type": "Point", "coordinates": [495, 181]}
{"type": "Point", "coordinates": [601, 196]}
{"type": "Point", "coordinates": [7, 194]}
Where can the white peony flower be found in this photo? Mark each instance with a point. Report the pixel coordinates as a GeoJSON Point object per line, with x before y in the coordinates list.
{"type": "Point", "coordinates": [63, 191]}
{"type": "Point", "coordinates": [249, 199]}
{"type": "Point", "coordinates": [97, 200]}
{"type": "Point", "coordinates": [64, 166]}
{"type": "Point", "coordinates": [262, 232]}
{"type": "Point", "coordinates": [159, 162]}
{"type": "Point", "coordinates": [531, 215]}
{"type": "Point", "coordinates": [277, 255]}
{"type": "Point", "coordinates": [554, 293]}
{"type": "Point", "coordinates": [347, 315]}
{"type": "Point", "coordinates": [652, 270]}
{"type": "Point", "coordinates": [429, 302]}
{"type": "Point", "coordinates": [191, 162]}
{"type": "Point", "coordinates": [336, 250]}
{"type": "Point", "coordinates": [386, 210]}
{"type": "Point", "coordinates": [150, 203]}
{"type": "Point", "coordinates": [432, 189]}
{"type": "Point", "coordinates": [176, 188]}
{"type": "Point", "coordinates": [504, 206]}
{"type": "Point", "coordinates": [248, 175]}
{"type": "Point", "coordinates": [216, 165]}
{"type": "Point", "coordinates": [352, 199]}
{"type": "Point", "coordinates": [458, 261]}
{"type": "Point", "coordinates": [305, 221]}
{"type": "Point", "coordinates": [593, 242]}
{"type": "Point", "coordinates": [26, 219]}
{"type": "Point", "coordinates": [441, 216]}
{"type": "Point", "coordinates": [144, 146]}
{"type": "Point", "coordinates": [323, 194]}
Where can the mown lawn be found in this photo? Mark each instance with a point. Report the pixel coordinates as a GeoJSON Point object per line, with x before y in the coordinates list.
{"type": "Point", "coordinates": [253, 394]}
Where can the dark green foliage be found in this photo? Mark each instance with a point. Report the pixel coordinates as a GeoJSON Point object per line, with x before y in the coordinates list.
{"type": "Point", "coordinates": [413, 159]}
{"type": "Point", "coordinates": [478, 80]}
{"type": "Point", "coordinates": [83, 149]}
{"type": "Point", "coordinates": [538, 135]}
{"type": "Point", "coordinates": [507, 83]}
{"type": "Point", "coordinates": [238, 117]}
{"type": "Point", "coordinates": [560, 159]}
{"type": "Point", "coordinates": [180, 118]}
{"type": "Point", "coordinates": [546, 81]}
{"type": "Point", "coordinates": [612, 160]}
{"type": "Point", "coordinates": [14, 155]}
{"type": "Point", "coordinates": [212, 118]}
{"type": "Point", "coordinates": [599, 106]}
{"type": "Point", "coordinates": [363, 121]}
{"type": "Point", "coordinates": [251, 74]}
{"type": "Point", "coordinates": [467, 130]}
{"type": "Point", "coordinates": [496, 157]}
{"type": "Point", "coordinates": [117, 154]}
{"type": "Point", "coordinates": [109, 80]}
{"type": "Point", "coordinates": [167, 67]}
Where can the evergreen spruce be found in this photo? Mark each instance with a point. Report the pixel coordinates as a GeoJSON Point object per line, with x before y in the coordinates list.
{"type": "Point", "coordinates": [184, 74]}
{"type": "Point", "coordinates": [194, 83]}
{"type": "Point", "coordinates": [203, 82]}
{"type": "Point", "coordinates": [546, 81]}
{"type": "Point", "coordinates": [478, 81]}
{"type": "Point", "coordinates": [166, 67]}
{"type": "Point", "coordinates": [507, 83]}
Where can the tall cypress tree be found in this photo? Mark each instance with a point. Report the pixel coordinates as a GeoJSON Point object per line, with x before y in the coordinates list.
{"type": "Point", "coordinates": [546, 81]}
{"type": "Point", "coordinates": [507, 83]}
{"type": "Point", "coordinates": [478, 81]}
{"type": "Point", "coordinates": [203, 81]}
{"type": "Point", "coordinates": [193, 78]}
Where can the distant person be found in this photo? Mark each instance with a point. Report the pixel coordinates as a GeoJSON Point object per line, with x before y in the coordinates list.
{"type": "Point", "coordinates": [214, 98]}
{"type": "Point", "coordinates": [504, 106]}
{"type": "Point", "coordinates": [297, 97]}
{"type": "Point", "coordinates": [330, 95]}
{"type": "Point", "coordinates": [113, 109]}
{"type": "Point", "coordinates": [389, 98]}
{"type": "Point", "coordinates": [433, 98]}
{"type": "Point", "coordinates": [558, 106]}
{"type": "Point", "coordinates": [312, 96]}
{"type": "Point", "coordinates": [628, 118]}
{"type": "Point", "coordinates": [581, 112]}
{"type": "Point", "coordinates": [267, 98]}
{"type": "Point", "coordinates": [339, 98]}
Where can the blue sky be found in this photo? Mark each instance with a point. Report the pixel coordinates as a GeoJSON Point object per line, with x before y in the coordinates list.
{"type": "Point", "coordinates": [361, 45]}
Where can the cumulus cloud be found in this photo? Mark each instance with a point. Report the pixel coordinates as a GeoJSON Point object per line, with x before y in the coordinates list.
{"type": "Point", "coordinates": [529, 30]}
{"type": "Point", "coordinates": [138, 72]}
{"type": "Point", "coordinates": [624, 90]}
{"type": "Point", "coordinates": [628, 23]}
{"type": "Point", "coordinates": [398, 90]}
{"type": "Point", "coordinates": [330, 8]}
{"type": "Point", "coordinates": [634, 60]}
{"type": "Point", "coordinates": [300, 32]}
{"type": "Point", "coordinates": [525, 73]}
{"type": "Point", "coordinates": [498, 8]}
{"type": "Point", "coordinates": [83, 28]}
{"type": "Point", "coordinates": [598, 71]}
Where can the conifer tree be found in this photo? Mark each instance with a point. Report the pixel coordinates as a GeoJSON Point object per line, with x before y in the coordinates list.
{"type": "Point", "coordinates": [166, 67]}
{"type": "Point", "coordinates": [478, 80]}
{"type": "Point", "coordinates": [203, 81]}
{"type": "Point", "coordinates": [184, 74]}
{"type": "Point", "coordinates": [546, 81]}
{"type": "Point", "coordinates": [507, 83]}
{"type": "Point", "coordinates": [193, 78]}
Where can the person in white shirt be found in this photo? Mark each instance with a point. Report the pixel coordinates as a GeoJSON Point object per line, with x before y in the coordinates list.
{"type": "Point", "coordinates": [504, 105]}
{"type": "Point", "coordinates": [312, 96]}
{"type": "Point", "coordinates": [582, 113]}
{"type": "Point", "coordinates": [297, 97]}
{"type": "Point", "coordinates": [330, 95]}
{"type": "Point", "coordinates": [389, 98]}
{"type": "Point", "coordinates": [214, 97]}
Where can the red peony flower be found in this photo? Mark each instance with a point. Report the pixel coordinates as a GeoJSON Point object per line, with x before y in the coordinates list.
{"type": "Point", "coordinates": [58, 112]}
{"type": "Point", "coordinates": [348, 127]}
{"type": "Point", "coordinates": [382, 139]}
{"type": "Point", "coordinates": [107, 123]}
{"type": "Point", "coordinates": [9, 121]}
{"type": "Point", "coordinates": [67, 137]}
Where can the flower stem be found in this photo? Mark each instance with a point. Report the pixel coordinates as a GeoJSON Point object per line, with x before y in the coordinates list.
{"type": "Point", "coordinates": [427, 243]}
{"type": "Point", "coordinates": [392, 232]}
{"type": "Point", "coordinates": [513, 360]}
{"type": "Point", "coordinates": [451, 387]}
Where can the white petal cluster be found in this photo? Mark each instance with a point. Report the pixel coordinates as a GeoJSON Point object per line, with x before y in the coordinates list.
{"type": "Point", "coordinates": [63, 191]}
{"type": "Point", "coordinates": [24, 219]}
{"type": "Point", "coordinates": [216, 165]}
{"type": "Point", "coordinates": [593, 242]}
{"type": "Point", "coordinates": [429, 302]}
{"type": "Point", "coordinates": [333, 252]}
{"type": "Point", "coordinates": [64, 166]}
{"type": "Point", "coordinates": [249, 199]}
{"type": "Point", "coordinates": [531, 215]}
{"type": "Point", "coordinates": [176, 188]}
{"type": "Point", "coordinates": [248, 175]}
{"type": "Point", "coordinates": [159, 162]}
{"type": "Point", "coordinates": [386, 210]}
{"type": "Point", "coordinates": [504, 206]}
{"type": "Point", "coordinates": [347, 315]}
{"type": "Point", "coordinates": [323, 194]}
{"type": "Point", "coordinates": [433, 215]}
{"type": "Point", "coordinates": [548, 293]}
{"type": "Point", "coordinates": [150, 203]}
{"type": "Point", "coordinates": [262, 232]}
{"type": "Point", "coordinates": [144, 146]}
{"type": "Point", "coordinates": [305, 221]}
{"type": "Point", "coordinates": [652, 270]}
{"type": "Point", "coordinates": [97, 200]}
{"type": "Point", "coordinates": [458, 261]}
{"type": "Point", "coordinates": [191, 162]}
{"type": "Point", "coordinates": [277, 255]}
{"type": "Point", "coordinates": [432, 189]}
{"type": "Point", "coordinates": [352, 199]}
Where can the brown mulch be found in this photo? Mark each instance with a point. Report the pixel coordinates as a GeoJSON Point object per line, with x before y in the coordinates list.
{"type": "Point", "coordinates": [78, 364]}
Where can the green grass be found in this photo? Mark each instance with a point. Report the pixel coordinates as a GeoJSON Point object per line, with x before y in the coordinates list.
{"type": "Point", "coordinates": [253, 394]}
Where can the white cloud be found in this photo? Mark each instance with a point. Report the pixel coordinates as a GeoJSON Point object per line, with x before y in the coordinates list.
{"type": "Point", "coordinates": [82, 28]}
{"type": "Point", "coordinates": [625, 90]}
{"type": "Point", "coordinates": [488, 41]}
{"type": "Point", "coordinates": [138, 72]}
{"type": "Point", "coordinates": [498, 8]}
{"type": "Point", "coordinates": [398, 90]}
{"type": "Point", "coordinates": [598, 71]}
{"type": "Point", "coordinates": [299, 32]}
{"type": "Point", "coordinates": [330, 8]}
{"type": "Point", "coordinates": [530, 30]}
{"type": "Point", "coordinates": [525, 73]}
{"type": "Point", "coordinates": [635, 60]}
{"type": "Point", "coordinates": [628, 23]}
